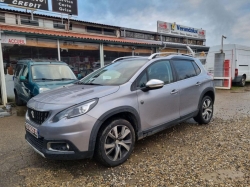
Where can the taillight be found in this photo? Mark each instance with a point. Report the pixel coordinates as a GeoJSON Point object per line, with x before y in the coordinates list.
{"type": "Point", "coordinates": [236, 72]}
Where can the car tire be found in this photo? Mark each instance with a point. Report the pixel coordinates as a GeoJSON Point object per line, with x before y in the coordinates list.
{"type": "Point", "coordinates": [206, 110]}
{"type": "Point", "coordinates": [115, 142]}
{"type": "Point", "coordinates": [242, 82]}
{"type": "Point", "coordinates": [18, 100]}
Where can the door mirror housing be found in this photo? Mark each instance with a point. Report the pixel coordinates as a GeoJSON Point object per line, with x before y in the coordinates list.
{"type": "Point", "coordinates": [153, 84]}
{"type": "Point", "coordinates": [22, 79]}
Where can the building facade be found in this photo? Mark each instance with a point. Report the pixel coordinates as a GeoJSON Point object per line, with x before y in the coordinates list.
{"type": "Point", "coordinates": [81, 44]}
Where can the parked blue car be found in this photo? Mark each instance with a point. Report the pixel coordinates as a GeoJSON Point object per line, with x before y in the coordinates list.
{"type": "Point", "coordinates": [32, 77]}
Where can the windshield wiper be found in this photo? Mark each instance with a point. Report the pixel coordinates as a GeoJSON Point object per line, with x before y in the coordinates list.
{"type": "Point", "coordinates": [90, 83]}
{"type": "Point", "coordinates": [63, 79]}
{"type": "Point", "coordinates": [44, 79]}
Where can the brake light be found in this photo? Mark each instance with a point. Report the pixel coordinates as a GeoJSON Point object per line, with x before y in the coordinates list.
{"type": "Point", "coordinates": [236, 72]}
{"type": "Point", "coordinates": [210, 75]}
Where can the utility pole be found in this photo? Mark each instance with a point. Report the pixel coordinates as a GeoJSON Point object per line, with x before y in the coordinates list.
{"type": "Point", "coordinates": [3, 84]}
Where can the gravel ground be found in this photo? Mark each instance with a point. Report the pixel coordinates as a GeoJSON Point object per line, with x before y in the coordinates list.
{"type": "Point", "coordinates": [188, 154]}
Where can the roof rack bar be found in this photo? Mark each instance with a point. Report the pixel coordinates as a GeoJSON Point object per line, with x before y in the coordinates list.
{"type": "Point", "coordinates": [125, 57]}
{"type": "Point", "coordinates": [170, 53]}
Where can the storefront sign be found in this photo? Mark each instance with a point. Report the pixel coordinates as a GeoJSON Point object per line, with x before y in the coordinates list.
{"type": "Point", "coordinates": [65, 6]}
{"type": "Point", "coordinates": [28, 4]}
{"type": "Point", "coordinates": [180, 30]}
{"type": "Point", "coordinates": [8, 39]}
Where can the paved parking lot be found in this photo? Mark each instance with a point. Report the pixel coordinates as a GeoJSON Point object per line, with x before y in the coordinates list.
{"type": "Point", "coordinates": [217, 154]}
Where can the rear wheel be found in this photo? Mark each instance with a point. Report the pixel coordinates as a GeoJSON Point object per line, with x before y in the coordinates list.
{"type": "Point", "coordinates": [18, 100]}
{"type": "Point", "coordinates": [242, 82]}
{"type": "Point", "coordinates": [206, 109]}
{"type": "Point", "coordinates": [115, 142]}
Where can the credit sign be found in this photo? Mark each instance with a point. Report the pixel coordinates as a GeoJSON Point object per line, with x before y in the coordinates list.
{"type": "Point", "coordinates": [28, 4]}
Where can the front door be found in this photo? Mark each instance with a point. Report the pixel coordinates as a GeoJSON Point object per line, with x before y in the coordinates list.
{"type": "Point", "coordinates": [159, 106]}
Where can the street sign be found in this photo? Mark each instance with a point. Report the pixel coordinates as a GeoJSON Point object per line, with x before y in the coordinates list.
{"type": "Point", "coordinates": [28, 4]}
{"type": "Point", "coordinates": [66, 7]}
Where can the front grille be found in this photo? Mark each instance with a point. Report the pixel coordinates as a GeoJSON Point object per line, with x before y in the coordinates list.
{"type": "Point", "coordinates": [37, 116]}
{"type": "Point", "coordinates": [36, 142]}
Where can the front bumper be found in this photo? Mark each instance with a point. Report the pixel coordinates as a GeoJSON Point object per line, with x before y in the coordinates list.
{"type": "Point", "coordinates": [40, 146]}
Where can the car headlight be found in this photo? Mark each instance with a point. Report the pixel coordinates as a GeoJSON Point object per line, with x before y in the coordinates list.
{"type": "Point", "coordinates": [41, 90]}
{"type": "Point", "coordinates": [76, 110]}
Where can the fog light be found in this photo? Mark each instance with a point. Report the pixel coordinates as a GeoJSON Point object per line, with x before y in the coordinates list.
{"type": "Point", "coordinates": [53, 146]}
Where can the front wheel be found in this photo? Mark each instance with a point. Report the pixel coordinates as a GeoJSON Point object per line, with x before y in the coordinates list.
{"type": "Point", "coordinates": [206, 109]}
{"type": "Point", "coordinates": [115, 142]}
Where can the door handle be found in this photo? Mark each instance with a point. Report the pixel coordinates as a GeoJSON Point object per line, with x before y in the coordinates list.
{"type": "Point", "coordinates": [198, 84]}
{"type": "Point", "coordinates": [174, 92]}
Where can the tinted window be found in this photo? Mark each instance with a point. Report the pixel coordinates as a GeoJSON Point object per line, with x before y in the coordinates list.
{"type": "Point", "coordinates": [197, 69]}
{"type": "Point", "coordinates": [18, 69]}
{"type": "Point", "coordinates": [160, 70]}
{"type": "Point", "coordinates": [184, 69]}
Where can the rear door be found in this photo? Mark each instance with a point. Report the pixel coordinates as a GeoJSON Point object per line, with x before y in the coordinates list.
{"type": "Point", "coordinates": [157, 107]}
{"type": "Point", "coordinates": [190, 84]}
{"type": "Point", "coordinates": [25, 86]}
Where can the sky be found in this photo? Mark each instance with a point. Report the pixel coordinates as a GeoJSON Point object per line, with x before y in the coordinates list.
{"type": "Point", "coordinates": [230, 18]}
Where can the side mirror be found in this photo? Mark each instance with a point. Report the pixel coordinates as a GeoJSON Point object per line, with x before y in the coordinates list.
{"type": "Point", "coordinates": [22, 78]}
{"type": "Point", "coordinates": [153, 84]}
{"type": "Point", "coordinates": [79, 76]}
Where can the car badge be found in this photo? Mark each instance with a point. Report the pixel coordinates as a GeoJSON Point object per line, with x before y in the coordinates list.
{"type": "Point", "coordinates": [32, 114]}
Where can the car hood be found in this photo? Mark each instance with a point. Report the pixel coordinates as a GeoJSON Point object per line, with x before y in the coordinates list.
{"type": "Point", "coordinates": [73, 94]}
{"type": "Point", "coordinates": [53, 84]}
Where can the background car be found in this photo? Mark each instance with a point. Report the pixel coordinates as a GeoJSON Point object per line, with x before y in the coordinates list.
{"type": "Point", "coordinates": [32, 77]}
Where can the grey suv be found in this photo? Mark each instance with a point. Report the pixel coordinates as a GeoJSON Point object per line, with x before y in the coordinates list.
{"type": "Point", "coordinates": [105, 113]}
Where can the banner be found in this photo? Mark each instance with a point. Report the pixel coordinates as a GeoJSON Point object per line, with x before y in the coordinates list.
{"type": "Point", "coordinates": [11, 39]}
{"type": "Point", "coordinates": [180, 30]}
{"type": "Point", "coordinates": [28, 4]}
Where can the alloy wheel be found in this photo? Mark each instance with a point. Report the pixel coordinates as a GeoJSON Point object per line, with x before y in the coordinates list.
{"type": "Point", "coordinates": [207, 109]}
{"type": "Point", "coordinates": [118, 142]}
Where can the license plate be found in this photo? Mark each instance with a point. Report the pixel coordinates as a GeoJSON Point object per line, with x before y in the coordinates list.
{"type": "Point", "coordinates": [32, 130]}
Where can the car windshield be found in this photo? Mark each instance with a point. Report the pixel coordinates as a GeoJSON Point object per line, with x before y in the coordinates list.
{"type": "Point", "coordinates": [52, 72]}
{"type": "Point", "coordinates": [114, 74]}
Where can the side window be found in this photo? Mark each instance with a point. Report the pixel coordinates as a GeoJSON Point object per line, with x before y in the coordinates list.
{"type": "Point", "coordinates": [184, 69]}
{"type": "Point", "coordinates": [18, 70]}
{"type": "Point", "coordinates": [197, 69]}
{"type": "Point", "coordinates": [141, 83]}
{"type": "Point", "coordinates": [25, 72]}
{"type": "Point", "coordinates": [160, 70]}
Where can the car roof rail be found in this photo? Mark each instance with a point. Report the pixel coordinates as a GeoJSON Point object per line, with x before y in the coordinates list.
{"type": "Point", "coordinates": [168, 53]}
{"type": "Point", "coordinates": [126, 57]}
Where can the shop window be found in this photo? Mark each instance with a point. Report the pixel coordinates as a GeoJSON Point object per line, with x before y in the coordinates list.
{"type": "Point", "coordinates": [199, 43]}
{"type": "Point", "coordinates": [149, 37]}
{"type": "Point", "coordinates": [110, 32]}
{"type": "Point", "coordinates": [2, 17]}
{"type": "Point", "coordinates": [172, 39]}
{"type": "Point", "coordinates": [95, 30]}
{"type": "Point", "coordinates": [129, 34]}
{"type": "Point", "coordinates": [167, 39]}
{"type": "Point", "coordinates": [59, 25]}
{"type": "Point", "coordinates": [25, 20]}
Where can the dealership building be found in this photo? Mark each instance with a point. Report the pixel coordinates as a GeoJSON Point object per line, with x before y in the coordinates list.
{"type": "Point", "coordinates": [80, 43]}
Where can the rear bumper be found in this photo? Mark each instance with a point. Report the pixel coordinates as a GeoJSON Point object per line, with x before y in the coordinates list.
{"type": "Point", "coordinates": [40, 146]}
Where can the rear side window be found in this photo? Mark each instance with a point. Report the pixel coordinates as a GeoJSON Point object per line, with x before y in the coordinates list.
{"type": "Point", "coordinates": [25, 72]}
{"type": "Point", "coordinates": [18, 69]}
{"type": "Point", "coordinates": [184, 69]}
{"type": "Point", "coordinates": [197, 69]}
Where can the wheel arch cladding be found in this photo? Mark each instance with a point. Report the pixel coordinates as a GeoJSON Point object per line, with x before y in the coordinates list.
{"type": "Point", "coordinates": [208, 92]}
{"type": "Point", "coordinates": [125, 112]}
